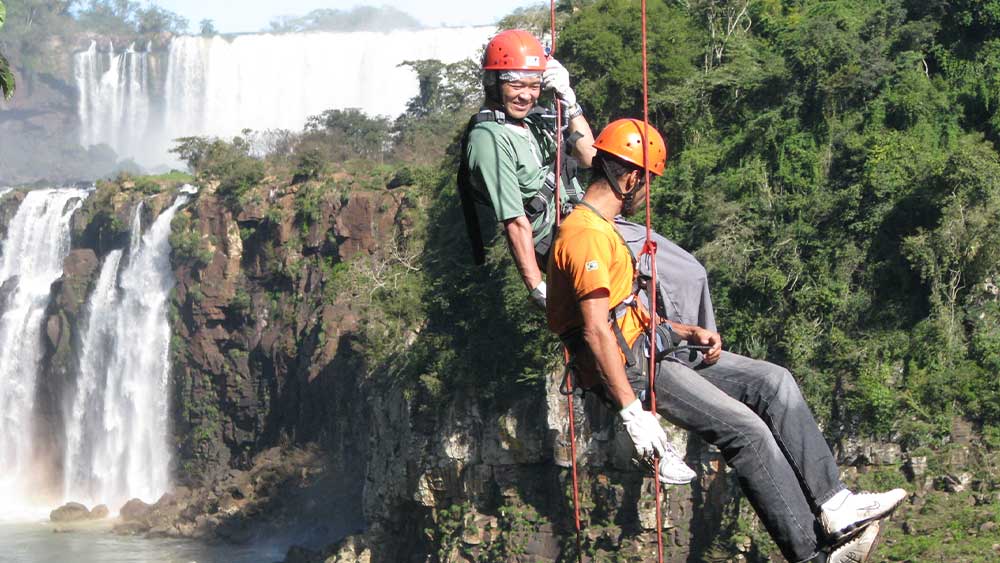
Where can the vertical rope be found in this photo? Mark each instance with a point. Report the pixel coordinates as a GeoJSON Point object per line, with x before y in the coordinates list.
{"type": "Point", "coordinates": [650, 249]}
{"type": "Point", "coordinates": [569, 383]}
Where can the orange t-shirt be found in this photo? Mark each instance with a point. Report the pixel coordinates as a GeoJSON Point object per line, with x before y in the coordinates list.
{"type": "Point", "coordinates": [589, 254]}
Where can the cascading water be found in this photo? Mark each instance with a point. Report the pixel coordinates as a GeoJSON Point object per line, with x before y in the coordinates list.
{"type": "Point", "coordinates": [38, 239]}
{"type": "Point", "coordinates": [118, 425]}
{"type": "Point", "coordinates": [219, 86]}
{"type": "Point", "coordinates": [114, 106]}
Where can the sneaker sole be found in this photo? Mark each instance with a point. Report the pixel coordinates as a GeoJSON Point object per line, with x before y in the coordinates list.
{"type": "Point", "coordinates": [854, 530]}
{"type": "Point", "coordinates": [850, 532]}
{"type": "Point", "coordinates": [875, 543]}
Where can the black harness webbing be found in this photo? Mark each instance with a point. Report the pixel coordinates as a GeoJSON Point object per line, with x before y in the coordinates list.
{"type": "Point", "coordinates": [540, 204]}
{"type": "Point", "coordinates": [465, 188]}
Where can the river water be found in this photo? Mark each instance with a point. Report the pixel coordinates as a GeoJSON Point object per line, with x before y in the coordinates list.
{"type": "Point", "coordinates": [44, 542]}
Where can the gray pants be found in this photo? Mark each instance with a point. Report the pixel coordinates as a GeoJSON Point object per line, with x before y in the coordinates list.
{"type": "Point", "coordinates": [754, 413]}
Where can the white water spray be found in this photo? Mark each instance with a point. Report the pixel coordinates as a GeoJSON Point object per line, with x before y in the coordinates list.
{"type": "Point", "coordinates": [115, 101]}
{"type": "Point", "coordinates": [38, 239]}
{"type": "Point", "coordinates": [117, 431]}
{"type": "Point", "coordinates": [219, 86]}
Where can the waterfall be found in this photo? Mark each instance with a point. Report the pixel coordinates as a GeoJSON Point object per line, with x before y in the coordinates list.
{"type": "Point", "coordinates": [115, 98]}
{"type": "Point", "coordinates": [219, 86]}
{"type": "Point", "coordinates": [117, 430]}
{"type": "Point", "coordinates": [38, 239]}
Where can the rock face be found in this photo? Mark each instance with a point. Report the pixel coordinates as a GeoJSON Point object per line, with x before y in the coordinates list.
{"type": "Point", "coordinates": [281, 424]}
{"type": "Point", "coordinates": [285, 489]}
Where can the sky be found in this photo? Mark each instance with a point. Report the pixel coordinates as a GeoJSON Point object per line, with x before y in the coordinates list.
{"type": "Point", "coordinates": [235, 16]}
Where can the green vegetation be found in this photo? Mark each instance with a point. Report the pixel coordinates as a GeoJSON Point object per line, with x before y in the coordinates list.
{"type": "Point", "coordinates": [62, 21]}
{"type": "Point", "coordinates": [174, 178]}
{"type": "Point", "coordinates": [124, 17]}
{"type": "Point", "coordinates": [229, 164]}
{"type": "Point", "coordinates": [347, 134]}
{"type": "Point", "coordinates": [358, 18]}
{"type": "Point", "coordinates": [206, 28]}
{"type": "Point", "coordinates": [834, 164]}
{"type": "Point", "coordinates": [186, 244]}
{"type": "Point", "coordinates": [7, 83]}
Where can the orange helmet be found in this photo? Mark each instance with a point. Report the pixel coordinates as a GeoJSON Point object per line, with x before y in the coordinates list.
{"type": "Point", "coordinates": [514, 49]}
{"type": "Point", "coordinates": [623, 139]}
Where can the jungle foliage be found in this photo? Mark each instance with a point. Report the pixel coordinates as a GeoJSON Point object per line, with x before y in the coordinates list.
{"type": "Point", "coordinates": [833, 163]}
{"type": "Point", "coordinates": [7, 83]}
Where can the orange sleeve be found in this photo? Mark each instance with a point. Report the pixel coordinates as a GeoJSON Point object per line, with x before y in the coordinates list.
{"type": "Point", "coordinates": [587, 262]}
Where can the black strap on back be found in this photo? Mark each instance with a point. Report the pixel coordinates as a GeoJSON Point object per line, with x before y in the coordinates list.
{"type": "Point", "coordinates": [538, 205]}
{"type": "Point", "coordinates": [465, 187]}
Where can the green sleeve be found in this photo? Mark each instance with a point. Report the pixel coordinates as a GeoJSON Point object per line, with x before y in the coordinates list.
{"type": "Point", "coordinates": [493, 167]}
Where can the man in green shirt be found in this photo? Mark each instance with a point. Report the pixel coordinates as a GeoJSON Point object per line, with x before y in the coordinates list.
{"type": "Point", "coordinates": [509, 151]}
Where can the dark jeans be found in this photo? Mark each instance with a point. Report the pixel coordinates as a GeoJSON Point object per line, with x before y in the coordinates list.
{"type": "Point", "coordinates": [754, 413]}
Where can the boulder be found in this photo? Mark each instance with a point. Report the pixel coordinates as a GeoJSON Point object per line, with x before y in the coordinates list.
{"type": "Point", "coordinates": [70, 512]}
{"type": "Point", "coordinates": [100, 512]}
{"type": "Point", "coordinates": [135, 510]}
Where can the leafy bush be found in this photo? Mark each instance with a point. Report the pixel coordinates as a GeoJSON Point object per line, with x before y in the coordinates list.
{"type": "Point", "coordinates": [228, 163]}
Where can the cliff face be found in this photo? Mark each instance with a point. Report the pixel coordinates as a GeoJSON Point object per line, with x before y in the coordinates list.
{"type": "Point", "coordinates": [270, 334]}
{"type": "Point", "coordinates": [287, 422]}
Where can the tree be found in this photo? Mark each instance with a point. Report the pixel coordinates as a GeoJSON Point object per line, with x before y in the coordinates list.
{"type": "Point", "coordinates": [359, 18]}
{"type": "Point", "coordinates": [27, 22]}
{"type": "Point", "coordinates": [207, 28]}
{"type": "Point", "coordinates": [448, 94]}
{"type": "Point", "coordinates": [357, 135]}
{"type": "Point", "coordinates": [157, 20]}
{"type": "Point", "coordinates": [7, 83]}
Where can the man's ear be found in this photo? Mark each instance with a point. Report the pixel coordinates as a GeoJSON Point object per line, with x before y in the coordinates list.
{"type": "Point", "coordinates": [632, 180]}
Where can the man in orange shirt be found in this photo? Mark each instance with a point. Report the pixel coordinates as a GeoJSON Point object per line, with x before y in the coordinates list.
{"type": "Point", "coordinates": [752, 410]}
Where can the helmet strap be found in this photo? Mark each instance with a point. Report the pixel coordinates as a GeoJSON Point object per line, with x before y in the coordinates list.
{"type": "Point", "coordinates": [626, 197]}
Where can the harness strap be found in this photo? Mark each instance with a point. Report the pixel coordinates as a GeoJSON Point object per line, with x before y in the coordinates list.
{"type": "Point", "coordinates": [539, 205]}
{"type": "Point", "coordinates": [466, 197]}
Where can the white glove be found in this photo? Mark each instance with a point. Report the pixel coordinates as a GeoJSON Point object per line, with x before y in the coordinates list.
{"type": "Point", "coordinates": [556, 79]}
{"type": "Point", "coordinates": [649, 438]}
{"type": "Point", "coordinates": [645, 431]}
{"type": "Point", "coordinates": [538, 295]}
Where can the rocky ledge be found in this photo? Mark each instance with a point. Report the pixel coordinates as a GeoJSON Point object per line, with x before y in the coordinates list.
{"type": "Point", "coordinates": [271, 497]}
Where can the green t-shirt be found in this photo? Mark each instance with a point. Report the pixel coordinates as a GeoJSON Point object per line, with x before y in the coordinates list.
{"type": "Point", "coordinates": [507, 166]}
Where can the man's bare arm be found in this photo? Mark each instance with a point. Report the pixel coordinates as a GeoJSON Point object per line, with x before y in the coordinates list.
{"type": "Point", "coordinates": [597, 333]}
{"type": "Point", "coordinates": [522, 248]}
{"type": "Point", "coordinates": [583, 149]}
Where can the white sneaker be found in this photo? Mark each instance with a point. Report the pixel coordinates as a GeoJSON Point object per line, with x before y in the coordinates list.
{"type": "Point", "coordinates": [673, 470]}
{"type": "Point", "coordinates": [856, 510]}
{"type": "Point", "coordinates": [859, 549]}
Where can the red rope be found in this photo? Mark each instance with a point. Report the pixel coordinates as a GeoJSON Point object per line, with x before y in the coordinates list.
{"type": "Point", "coordinates": [649, 248]}
{"type": "Point", "coordinates": [569, 382]}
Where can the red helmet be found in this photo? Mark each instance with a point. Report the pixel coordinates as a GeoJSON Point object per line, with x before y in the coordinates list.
{"type": "Point", "coordinates": [623, 139]}
{"type": "Point", "coordinates": [514, 49]}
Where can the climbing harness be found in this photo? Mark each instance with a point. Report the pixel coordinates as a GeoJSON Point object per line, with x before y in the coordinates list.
{"type": "Point", "coordinates": [541, 204]}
